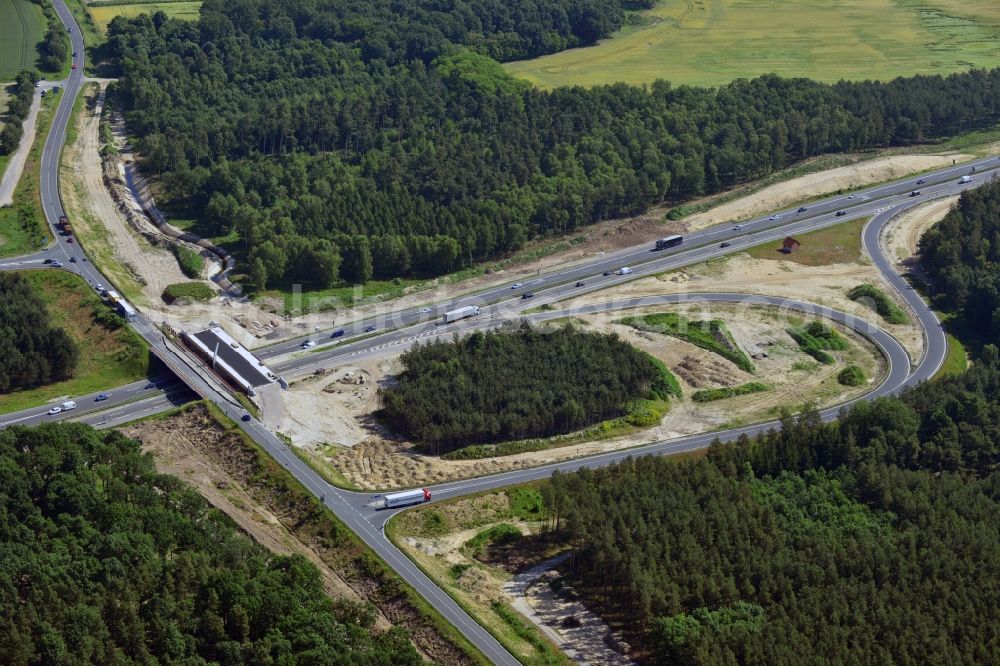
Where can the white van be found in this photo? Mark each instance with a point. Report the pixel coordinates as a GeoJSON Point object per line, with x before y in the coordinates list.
{"type": "Point", "coordinates": [624, 270]}
{"type": "Point", "coordinates": [68, 405]}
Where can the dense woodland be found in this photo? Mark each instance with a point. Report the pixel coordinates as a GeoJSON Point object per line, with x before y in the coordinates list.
{"type": "Point", "coordinates": [17, 110]}
{"type": "Point", "coordinates": [513, 384]}
{"type": "Point", "coordinates": [32, 351]}
{"type": "Point", "coordinates": [874, 539]}
{"type": "Point", "coordinates": [961, 254]}
{"type": "Point", "coordinates": [346, 139]}
{"type": "Point", "coordinates": [103, 561]}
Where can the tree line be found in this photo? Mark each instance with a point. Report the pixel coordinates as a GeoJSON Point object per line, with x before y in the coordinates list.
{"type": "Point", "coordinates": [961, 255]}
{"type": "Point", "coordinates": [104, 561]}
{"type": "Point", "coordinates": [17, 110]}
{"type": "Point", "coordinates": [513, 384]}
{"type": "Point", "coordinates": [33, 351]}
{"type": "Point", "coordinates": [343, 140]}
{"type": "Point", "coordinates": [872, 539]}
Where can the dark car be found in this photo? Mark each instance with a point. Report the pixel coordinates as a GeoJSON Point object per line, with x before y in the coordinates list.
{"type": "Point", "coordinates": [48, 261]}
{"type": "Point", "coordinates": [580, 284]}
{"type": "Point", "coordinates": [803, 209]}
{"type": "Point", "coordinates": [150, 385]}
{"type": "Point", "coordinates": [369, 329]}
{"type": "Point", "coordinates": [246, 416]}
{"type": "Point", "coordinates": [102, 397]}
{"type": "Point", "coordinates": [528, 294]}
{"type": "Point", "coordinates": [723, 244]}
{"type": "Point", "coordinates": [72, 260]}
{"type": "Point", "coordinates": [841, 213]}
{"type": "Point", "coordinates": [339, 333]}
{"type": "Point", "coordinates": [607, 272]}
{"type": "Point", "coordinates": [921, 181]}
{"type": "Point", "coordinates": [915, 193]}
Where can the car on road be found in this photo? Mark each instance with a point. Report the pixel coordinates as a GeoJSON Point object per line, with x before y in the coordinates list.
{"type": "Point", "coordinates": [517, 285]}
{"type": "Point", "coordinates": [841, 213]}
{"type": "Point", "coordinates": [723, 244]}
{"type": "Point", "coordinates": [852, 196]}
{"type": "Point", "coordinates": [915, 193]}
{"type": "Point", "coordinates": [74, 66]}
{"type": "Point", "coordinates": [528, 294]}
{"type": "Point", "coordinates": [339, 333]}
{"type": "Point", "coordinates": [802, 209]}
{"type": "Point", "coordinates": [580, 283]}
{"type": "Point", "coordinates": [69, 239]}
{"type": "Point", "coordinates": [773, 218]}
{"type": "Point", "coordinates": [72, 260]}
{"type": "Point", "coordinates": [246, 416]}
{"type": "Point", "coordinates": [424, 310]}
{"type": "Point", "coordinates": [102, 397]}
{"type": "Point", "coordinates": [99, 287]}
{"type": "Point", "coordinates": [369, 329]}
{"type": "Point", "coordinates": [921, 181]}
{"type": "Point", "coordinates": [48, 261]}
{"type": "Point", "coordinates": [606, 273]}
{"type": "Point", "coordinates": [308, 344]}
{"type": "Point", "coordinates": [737, 227]}
{"type": "Point", "coordinates": [54, 410]}
{"type": "Point", "coordinates": [38, 84]}
{"type": "Point", "coordinates": [150, 385]}
{"type": "Point", "coordinates": [56, 263]}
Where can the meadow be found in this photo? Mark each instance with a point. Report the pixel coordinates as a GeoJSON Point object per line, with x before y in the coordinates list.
{"type": "Point", "coordinates": [181, 10]}
{"type": "Point", "coordinates": [712, 42]}
{"type": "Point", "coordinates": [22, 26]}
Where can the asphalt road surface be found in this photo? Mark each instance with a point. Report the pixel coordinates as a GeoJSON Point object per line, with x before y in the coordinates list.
{"type": "Point", "coordinates": [357, 509]}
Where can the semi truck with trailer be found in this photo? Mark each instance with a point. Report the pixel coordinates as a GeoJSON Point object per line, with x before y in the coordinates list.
{"type": "Point", "coordinates": [461, 313]}
{"type": "Point", "coordinates": [669, 241]}
{"type": "Point", "coordinates": [120, 304]}
{"type": "Point", "coordinates": [406, 498]}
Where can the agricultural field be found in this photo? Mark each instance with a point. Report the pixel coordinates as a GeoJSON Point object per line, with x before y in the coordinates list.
{"type": "Point", "coordinates": [712, 42]}
{"type": "Point", "coordinates": [181, 10]}
{"type": "Point", "coordinates": [22, 26]}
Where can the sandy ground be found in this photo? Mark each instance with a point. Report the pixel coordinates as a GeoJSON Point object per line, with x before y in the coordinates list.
{"type": "Point", "coordinates": [621, 233]}
{"type": "Point", "coordinates": [807, 187]}
{"type": "Point", "coordinates": [176, 451]}
{"type": "Point", "coordinates": [16, 164]}
{"type": "Point", "coordinates": [327, 410]}
{"type": "Point", "coordinates": [584, 640]}
{"type": "Point", "coordinates": [901, 237]}
{"type": "Point", "coordinates": [157, 266]}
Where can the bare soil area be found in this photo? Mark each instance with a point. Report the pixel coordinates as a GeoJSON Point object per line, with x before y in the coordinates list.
{"type": "Point", "coordinates": [281, 516]}
{"type": "Point", "coordinates": [901, 238]}
{"type": "Point", "coordinates": [316, 414]}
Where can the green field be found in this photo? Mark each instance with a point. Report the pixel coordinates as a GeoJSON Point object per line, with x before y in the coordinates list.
{"type": "Point", "coordinates": [711, 42]}
{"type": "Point", "coordinates": [181, 10]}
{"type": "Point", "coordinates": [22, 26]}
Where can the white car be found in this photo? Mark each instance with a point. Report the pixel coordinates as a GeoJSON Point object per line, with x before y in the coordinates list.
{"type": "Point", "coordinates": [737, 227]}
{"type": "Point", "coordinates": [773, 218]}
{"type": "Point", "coordinates": [54, 410]}
{"type": "Point", "coordinates": [308, 344]}
{"type": "Point", "coordinates": [424, 310]}
{"type": "Point", "coordinates": [517, 285]}
{"type": "Point", "coordinates": [852, 196]}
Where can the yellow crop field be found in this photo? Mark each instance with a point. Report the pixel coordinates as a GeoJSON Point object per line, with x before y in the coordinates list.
{"type": "Point", "coordinates": [182, 10]}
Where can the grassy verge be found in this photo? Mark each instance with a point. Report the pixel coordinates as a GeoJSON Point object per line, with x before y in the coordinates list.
{"type": "Point", "coordinates": [109, 357]}
{"type": "Point", "coordinates": [711, 335]}
{"type": "Point", "coordinates": [957, 360]}
{"type": "Point", "coordinates": [90, 231]}
{"type": "Point", "coordinates": [93, 36]}
{"type": "Point", "coordinates": [320, 463]}
{"type": "Point", "coordinates": [879, 301]}
{"type": "Point", "coordinates": [191, 262]}
{"type": "Point", "coordinates": [22, 225]}
{"type": "Point", "coordinates": [838, 244]}
{"type": "Point", "coordinates": [709, 395]}
{"type": "Point", "coordinates": [463, 580]}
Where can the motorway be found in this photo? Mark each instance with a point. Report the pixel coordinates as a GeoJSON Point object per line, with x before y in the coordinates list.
{"type": "Point", "coordinates": [356, 509]}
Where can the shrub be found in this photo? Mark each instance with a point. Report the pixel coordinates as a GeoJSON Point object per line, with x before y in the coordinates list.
{"type": "Point", "coordinates": [188, 291]}
{"type": "Point", "coordinates": [708, 395]}
{"type": "Point", "coordinates": [817, 337]}
{"type": "Point", "coordinates": [879, 301]}
{"type": "Point", "coordinates": [852, 375]}
{"type": "Point", "coordinates": [711, 335]}
{"type": "Point", "coordinates": [190, 261]}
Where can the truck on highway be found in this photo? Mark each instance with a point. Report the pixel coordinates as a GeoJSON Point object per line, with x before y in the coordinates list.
{"type": "Point", "coordinates": [69, 404]}
{"type": "Point", "coordinates": [461, 313]}
{"type": "Point", "coordinates": [406, 498]}
{"type": "Point", "coordinates": [669, 241]}
{"type": "Point", "coordinates": [120, 304]}
{"type": "Point", "coordinates": [965, 179]}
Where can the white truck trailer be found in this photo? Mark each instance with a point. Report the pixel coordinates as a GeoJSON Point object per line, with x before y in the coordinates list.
{"type": "Point", "coordinates": [461, 313]}
{"type": "Point", "coordinates": [407, 497]}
